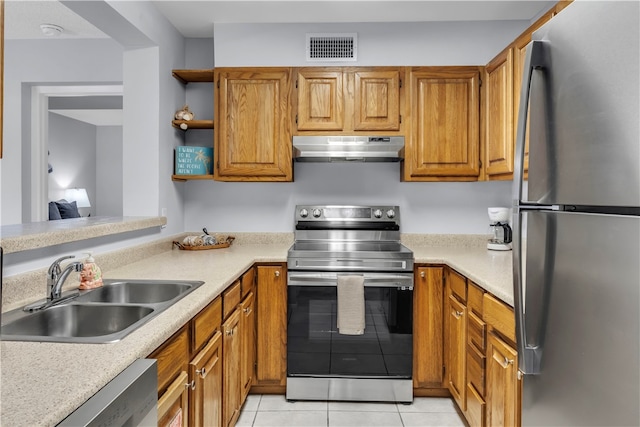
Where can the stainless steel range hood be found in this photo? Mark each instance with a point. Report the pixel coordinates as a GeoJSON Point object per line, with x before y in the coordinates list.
{"type": "Point", "coordinates": [348, 148]}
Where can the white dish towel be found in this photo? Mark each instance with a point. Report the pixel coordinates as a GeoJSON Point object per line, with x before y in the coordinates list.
{"type": "Point", "coordinates": [351, 304]}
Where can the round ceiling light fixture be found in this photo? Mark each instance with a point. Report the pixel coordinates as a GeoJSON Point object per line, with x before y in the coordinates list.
{"type": "Point", "coordinates": [51, 30]}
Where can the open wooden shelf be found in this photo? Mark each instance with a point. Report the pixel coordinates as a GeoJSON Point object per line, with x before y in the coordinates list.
{"type": "Point", "coordinates": [193, 124]}
{"type": "Point", "coordinates": [182, 178]}
{"type": "Point", "coordinates": [194, 76]}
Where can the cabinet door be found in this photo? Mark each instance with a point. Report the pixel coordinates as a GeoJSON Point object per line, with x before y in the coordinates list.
{"type": "Point", "coordinates": [248, 333]}
{"type": "Point", "coordinates": [501, 383]}
{"type": "Point", "coordinates": [457, 327]}
{"type": "Point", "coordinates": [271, 338]}
{"type": "Point", "coordinates": [173, 405]}
{"type": "Point", "coordinates": [428, 337]}
{"type": "Point", "coordinates": [376, 100]}
{"type": "Point", "coordinates": [499, 116]}
{"type": "Point", "coordinates": [445, 131]}
{"type": "Point", "coordinates": [205, 370]}
{"type": "Point", "coordinates": [320, 99]}
{"type": "Point", "coordinates": [253, 136]}
{"type": "Point", "coordinates": [231, 347]}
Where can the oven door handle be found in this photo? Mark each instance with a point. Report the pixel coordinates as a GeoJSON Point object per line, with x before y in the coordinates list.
{"type": "Point", "coordinates": [331, 279]}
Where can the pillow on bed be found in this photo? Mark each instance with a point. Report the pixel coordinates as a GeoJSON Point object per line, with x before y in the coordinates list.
{"type": "Point", "coordinates": [54, 213]}
{"type": "Point", "coordinates": [67, 210]}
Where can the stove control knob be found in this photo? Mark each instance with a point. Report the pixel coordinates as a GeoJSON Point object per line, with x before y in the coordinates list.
{"type": "Point", "coordinates": [377, 213]}
{"type": "Point", "coordinates": [317, 213]}
{"type": "Point", "coordinates": [391, 213]}
{"type": "Point", "coordinates": [304, 213]}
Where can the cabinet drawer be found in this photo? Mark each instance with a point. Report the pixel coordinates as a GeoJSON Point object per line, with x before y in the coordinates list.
{"type": "Point", "coordinates": [206, 323]}
{"type": "Point", "coordinates": [248, 280]}
{"type": "Point", "coordinates": [475, 407]}
{"type": "Point", "coordinates": [500, 316]}
{"type": "Point", "coordinates": [172, 357]}
{"type": "Point", "coordinates": [476, 369]}
{"type": "Point", "coordinates": [231, 298]}
{"type": "Point", "coordinates": [476, 332]}
{"type": "Point", "coordinates": [474, 298]}
{"type": "Point", "coordinates": [458, 285]}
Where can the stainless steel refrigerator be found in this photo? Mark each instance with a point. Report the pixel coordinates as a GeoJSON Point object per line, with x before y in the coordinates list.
{"type": "Point", "coordinates": [577, 219]}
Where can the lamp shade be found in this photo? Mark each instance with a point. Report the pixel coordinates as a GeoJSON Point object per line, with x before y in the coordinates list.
{"type": "Point", "coordinates": [79, 195]}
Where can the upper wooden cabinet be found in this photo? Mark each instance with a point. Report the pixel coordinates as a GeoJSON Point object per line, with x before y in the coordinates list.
{"type": "Point", "coordinates": [444, 140]}
{"type": "Point", "coordinates": [348, 100]}
{"type": "Point", "coordinates": [502, 102]}
{"type": "Point", "coordinates": [252, 136]}
{"type": "Point", "coordinates": [499, 135]}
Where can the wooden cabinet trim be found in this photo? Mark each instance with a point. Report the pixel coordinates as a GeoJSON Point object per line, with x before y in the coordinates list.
{"type": "Point", "coordinates": [458, 284]}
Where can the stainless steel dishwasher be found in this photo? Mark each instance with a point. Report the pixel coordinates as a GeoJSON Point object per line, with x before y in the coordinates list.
{"type": "Point", "coordinates": [130, 399]}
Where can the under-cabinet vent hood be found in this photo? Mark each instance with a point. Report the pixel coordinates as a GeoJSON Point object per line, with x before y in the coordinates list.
{"type": "Point", "coordinates": [348, 148]}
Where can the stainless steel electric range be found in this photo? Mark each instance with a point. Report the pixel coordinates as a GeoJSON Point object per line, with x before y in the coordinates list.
{"type": "Point", "coordinates": [323, 364]}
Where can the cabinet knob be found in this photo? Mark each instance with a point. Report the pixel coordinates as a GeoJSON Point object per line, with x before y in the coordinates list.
{"type": "Point", "coordinates": [508, 361]}
{"type": "Point", "coordinates": [423, 274]}
{"type": "Point", "coordinates": [457, 314]}
{"type": "Point", "coordinates": [229, 332]}
{"type": "Point", "coordinates": [277, 273]}
{"type": "Point", "coordinates": [247, 310]}
{"type": "Point", "coordinates": [191, 385]}
{"type": "Point", "coordinates": [202, 372]}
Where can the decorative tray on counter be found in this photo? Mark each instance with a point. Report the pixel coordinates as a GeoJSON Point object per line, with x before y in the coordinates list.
{"type": "Point", "coordinates": [220, 243]}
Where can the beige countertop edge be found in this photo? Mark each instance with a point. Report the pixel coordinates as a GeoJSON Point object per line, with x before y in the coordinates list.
{"type": "Point", "coordinates": [32, 396]}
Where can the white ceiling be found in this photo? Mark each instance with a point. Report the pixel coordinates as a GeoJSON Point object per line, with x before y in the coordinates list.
{"type": "Point", "coordinates": [23, 18]}
{"type": "Point", "coordinates": [196, 18]}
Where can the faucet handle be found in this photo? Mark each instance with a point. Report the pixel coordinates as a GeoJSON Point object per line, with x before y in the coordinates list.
{"type": "Point", "coordinates": [55, 266]}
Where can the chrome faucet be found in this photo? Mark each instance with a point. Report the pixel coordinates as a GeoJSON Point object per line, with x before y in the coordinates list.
{"type": "Point", "coordinates": [56, 276]}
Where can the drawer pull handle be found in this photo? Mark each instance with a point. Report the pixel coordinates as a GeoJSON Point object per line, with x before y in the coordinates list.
{"type": "Point", "coordinates": [202, 372]}
{"type": "Point", "coordinates": [191, 385]}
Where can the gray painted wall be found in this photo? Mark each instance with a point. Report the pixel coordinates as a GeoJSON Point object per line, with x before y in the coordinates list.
{"type": "Point", "coordinates": [42, 62]}
{"type": "Point", "coordinates": [109, 175]}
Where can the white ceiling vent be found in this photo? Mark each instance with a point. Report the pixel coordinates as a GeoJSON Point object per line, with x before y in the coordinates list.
{"type": "Point", "coordinates": [332, 47]}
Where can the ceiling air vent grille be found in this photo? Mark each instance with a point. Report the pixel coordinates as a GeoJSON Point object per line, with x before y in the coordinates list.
{"type": "Point", "coordinates": [332, 47]}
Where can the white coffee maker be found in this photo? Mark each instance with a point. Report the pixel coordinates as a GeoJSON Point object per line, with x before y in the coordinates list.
{"type": "Point", "coordinates": [501, 240]}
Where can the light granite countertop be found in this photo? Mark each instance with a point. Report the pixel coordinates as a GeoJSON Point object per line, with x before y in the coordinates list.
{"type": "Point", "coordinates": [41, 383]}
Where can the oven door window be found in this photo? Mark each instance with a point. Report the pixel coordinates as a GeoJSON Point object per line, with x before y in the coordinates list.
{"type": "Point", "coordinates": [316, 349]}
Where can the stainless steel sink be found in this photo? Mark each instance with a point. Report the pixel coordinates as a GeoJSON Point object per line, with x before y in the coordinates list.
{"type": "Point", "coordinates": [101, 315]}
{"type": "Point", "coordinates": [136, 292]}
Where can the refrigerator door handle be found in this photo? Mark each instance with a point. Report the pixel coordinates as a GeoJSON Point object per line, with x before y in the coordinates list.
{"type": "Point", "coordinates": [528, 359]}
{"type": "Point", "coordinates": [535, 58]}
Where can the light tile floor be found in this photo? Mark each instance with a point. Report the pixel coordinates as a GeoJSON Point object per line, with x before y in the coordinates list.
{"type": "Point", "coordinates": [274, 410]}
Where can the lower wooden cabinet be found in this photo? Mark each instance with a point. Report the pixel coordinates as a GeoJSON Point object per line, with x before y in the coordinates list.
{"type": "Point", "coordinates": [248, 338]}
{"type": "Point", "coordinates": [205, 372]}
{"type": "Point", "coordinates": [457, 338]}
{"type": "Point", "coordinates": [428, 331]}
{"type": "Point", "coordinates": [481, 362]}
{"type": "Point", "coordinates": [231, 350]}
{"type": "Point", "coordinates": [173, 405]}
{"type": "Point", "coordinates": [271, 338]}
{"type": "Point", "coordinates": [502, 383]}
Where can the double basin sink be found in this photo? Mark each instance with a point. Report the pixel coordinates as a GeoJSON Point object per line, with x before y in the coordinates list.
{"type": "Point", "coordinates": [101, 315]}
